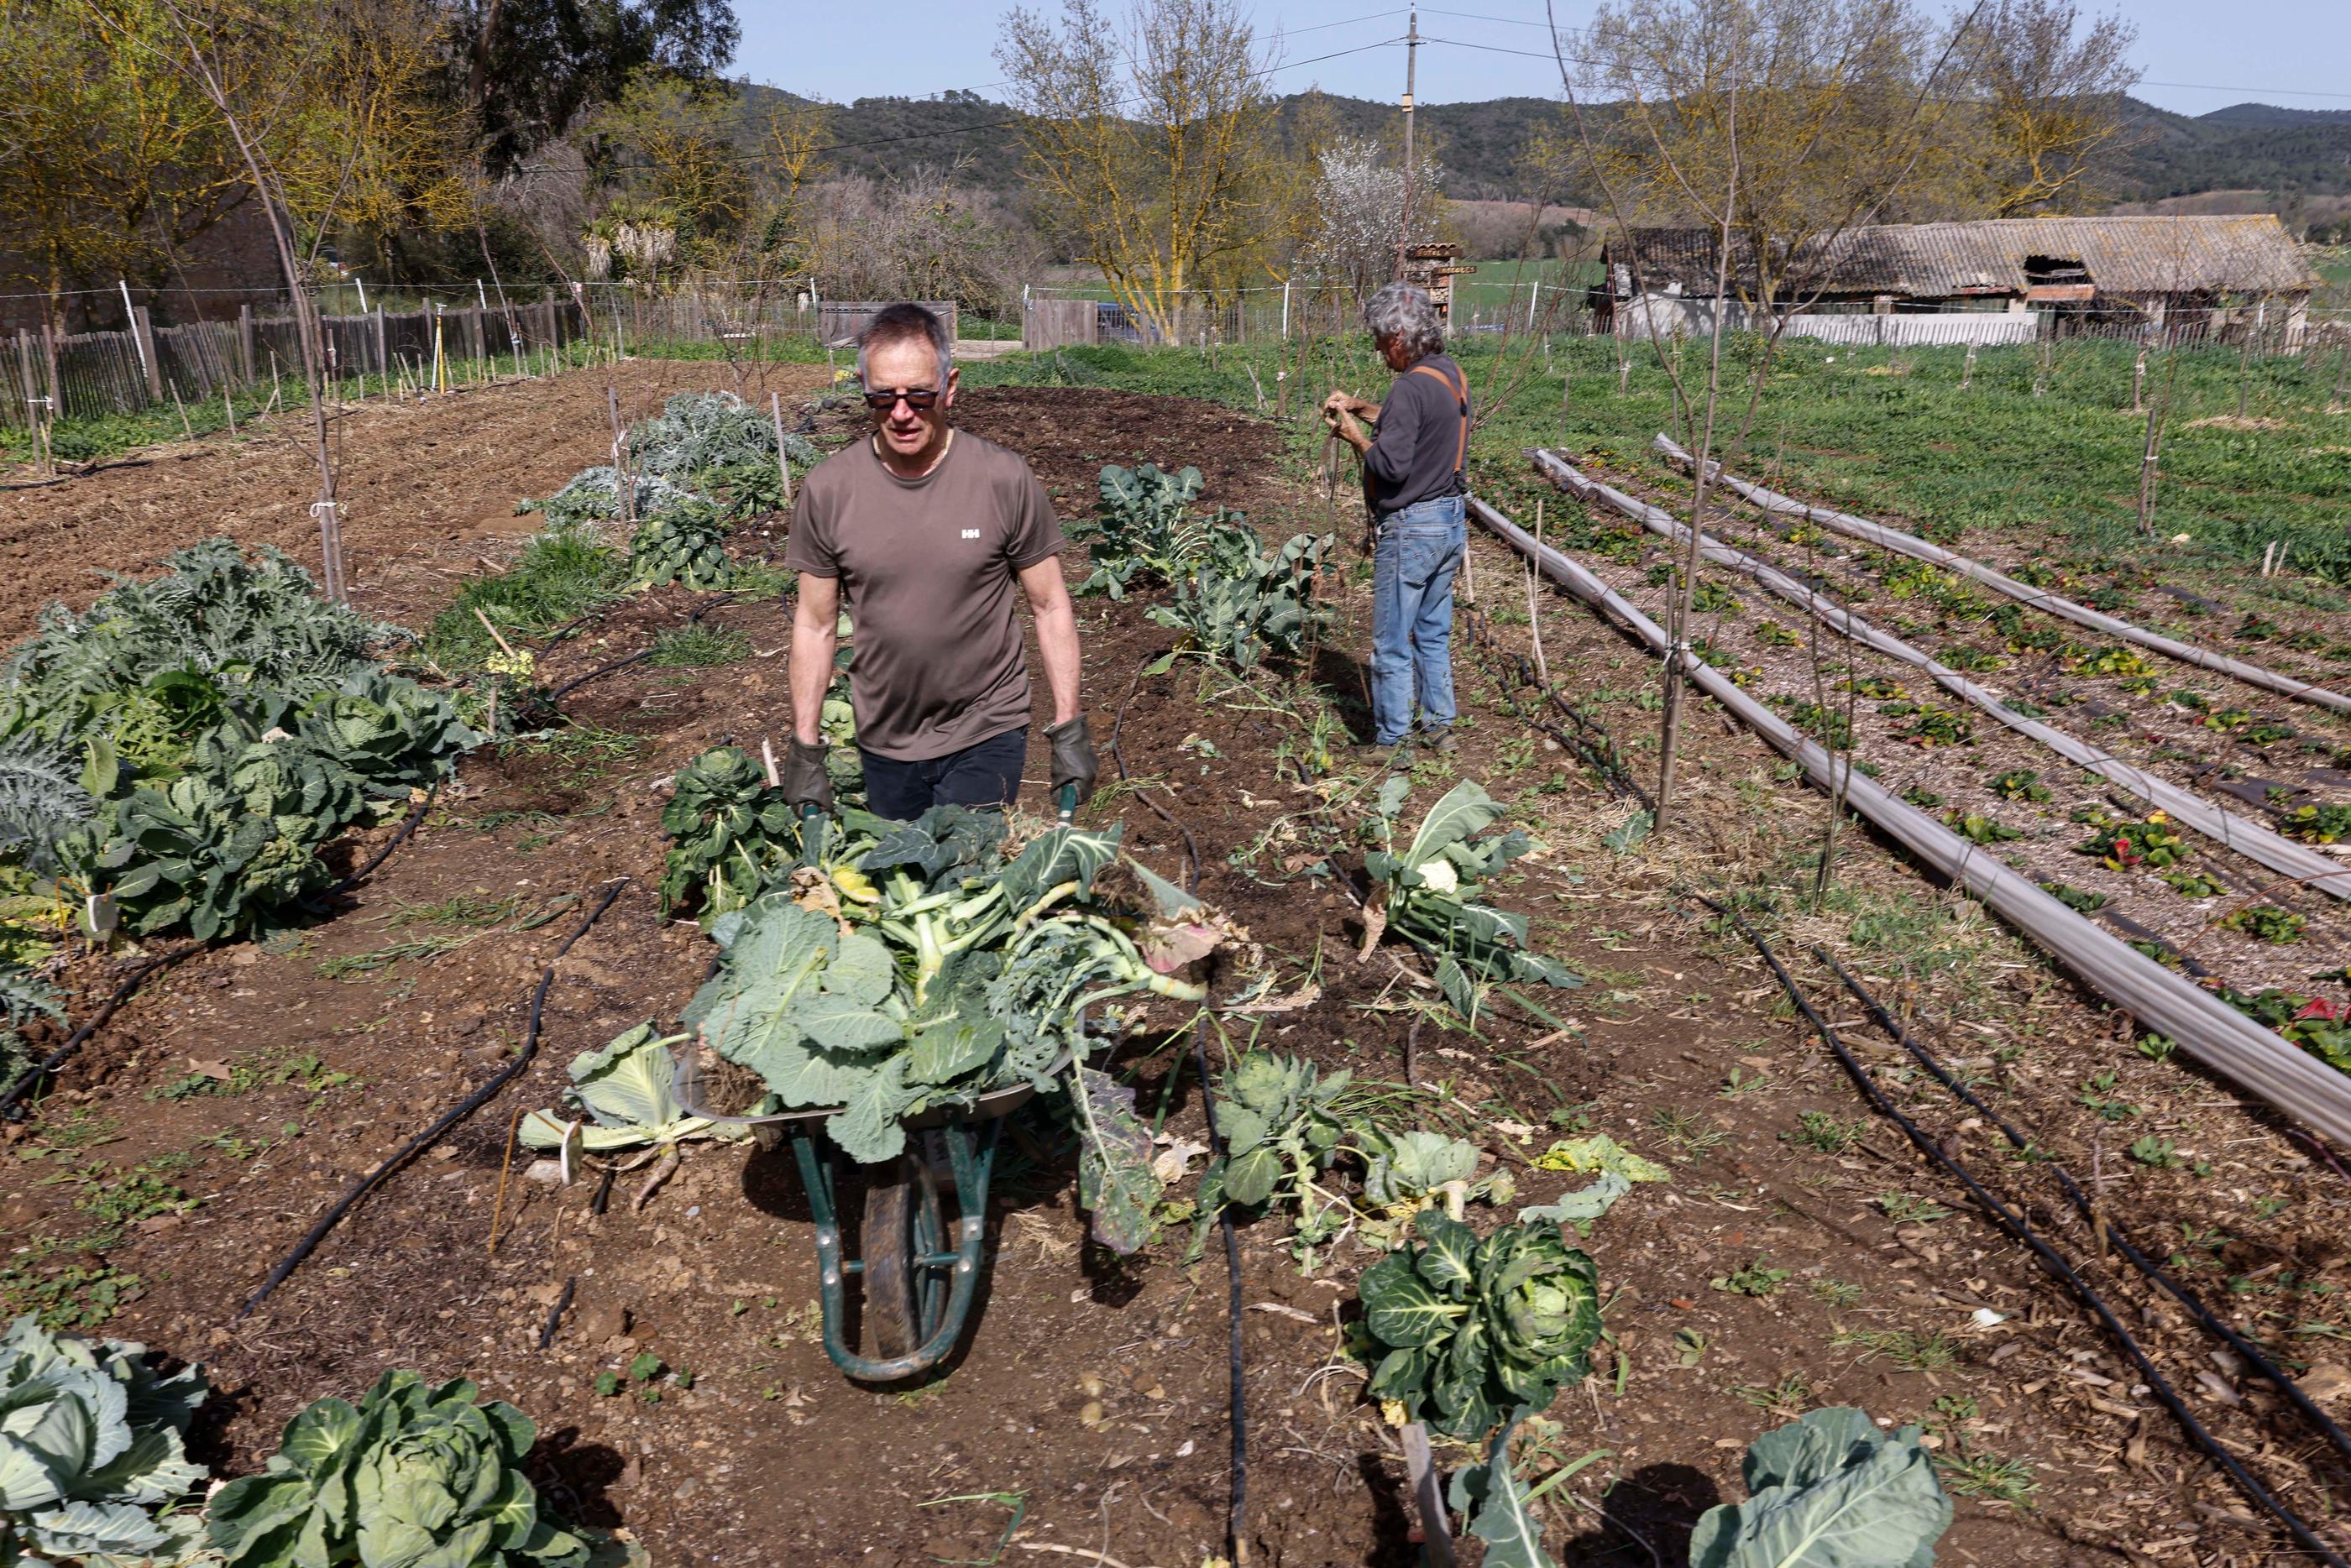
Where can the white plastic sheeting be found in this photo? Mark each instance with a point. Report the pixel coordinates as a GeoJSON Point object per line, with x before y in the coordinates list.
{"type": "Point", "coordinates": [2250, 838]}
{"type": "Point", "coordinates": [1910, 544]}
{"type": "Point", "coordinates": [2265, 1064]}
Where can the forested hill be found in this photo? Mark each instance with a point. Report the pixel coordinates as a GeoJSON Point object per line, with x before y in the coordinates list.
{"type": "Point", "coordinates": [2246, 147]}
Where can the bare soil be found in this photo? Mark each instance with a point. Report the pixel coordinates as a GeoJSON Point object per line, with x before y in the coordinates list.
{"type": "Point", "coordinates": [219, 1082]}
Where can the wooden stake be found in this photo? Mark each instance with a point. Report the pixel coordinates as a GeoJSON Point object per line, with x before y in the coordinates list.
{"type": "Point", "coordinates": [621, 480]}
{"type": "Point", "coordinates": [783, 464]}
{"type": "Point", "coordinates": [767, 755]}
{"type": "Point", "coordinates": [187, 430]}
{"type": "Point", "coordinates": [229, 411]}
{"type": "Point", "coordinates": [498, 1212]}
{"type": "Point", "coordinates": [503, 645]}
{"type": "Point", "coordinates": [1534, 626]}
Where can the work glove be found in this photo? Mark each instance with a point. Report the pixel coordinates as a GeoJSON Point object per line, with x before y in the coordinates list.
{"type": "Point", "coordinates": [805, 782]}
{"type": "Point", "coordinates": [1073, 758]}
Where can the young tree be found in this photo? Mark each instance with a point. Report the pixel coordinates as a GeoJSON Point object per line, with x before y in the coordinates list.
{"type": "Point", "coordinates": [1149, 142]}
{"type": "Point", "coordinates": [2050, 101]}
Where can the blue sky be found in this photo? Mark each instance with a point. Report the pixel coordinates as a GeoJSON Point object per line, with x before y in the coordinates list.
{"type": "Point", "coordinates": [2197, 58]}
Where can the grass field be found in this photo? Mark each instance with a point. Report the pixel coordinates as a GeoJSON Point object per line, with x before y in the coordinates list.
{"type": "Point", "coordinates": [1885, 431]}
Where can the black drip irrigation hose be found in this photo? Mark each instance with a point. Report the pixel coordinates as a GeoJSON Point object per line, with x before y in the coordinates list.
{"type": "Point", "coordinates": [2020, 1227]}
{"type": "Point", "coordinates": [693, 618]}
{"type": "Point", "coordinates": [12, 1103]}
{"type": "Point", "coordinates": [2252, 1354]}
{"type": "Point", "coordinates": [448, 1119]}
{"type": "Point", "coordinates": [1236, 1400]}
{"type": "Point", "coordinates": [1600, 756]}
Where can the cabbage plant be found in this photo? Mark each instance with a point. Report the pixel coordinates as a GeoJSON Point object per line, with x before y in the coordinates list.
{"type": "Point", "coordinates": [414, 1475]}
{"type": "Point", "coordinates": [624, 1092]}
{"type": "Point", "coordinates": [1829, 1490]}
{"type": "Point", "coordinates": [91, 1461]}
{"type": "Point", "coordinates": [1475, 1328]}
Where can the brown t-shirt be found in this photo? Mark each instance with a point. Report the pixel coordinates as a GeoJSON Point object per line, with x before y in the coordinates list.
{"type": "Point", "coordinates": [925, 567]}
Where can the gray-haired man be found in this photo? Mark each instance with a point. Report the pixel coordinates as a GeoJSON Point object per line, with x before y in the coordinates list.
{"type": "Point", "coordinates": [923, 531]}
{"type": "Point", "coordinates": [1414, 480]}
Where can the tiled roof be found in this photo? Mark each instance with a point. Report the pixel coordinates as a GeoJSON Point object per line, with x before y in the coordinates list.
{"type": "Point", "coordinates": [2131, 255]}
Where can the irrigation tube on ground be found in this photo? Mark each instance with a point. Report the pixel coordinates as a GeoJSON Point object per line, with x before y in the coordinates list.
{"type": "Point", "coordinates": [2263, 1063]}
{"type": "Point", "coordinates": [1910, 544]}
{"type": "Point", "coordinates": [2241, 834]}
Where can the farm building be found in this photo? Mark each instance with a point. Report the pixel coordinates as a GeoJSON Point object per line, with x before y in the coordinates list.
{"type": "Point", "coordinates": [1998, 280]}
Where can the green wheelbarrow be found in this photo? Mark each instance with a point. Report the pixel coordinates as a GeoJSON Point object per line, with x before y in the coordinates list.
{"type": "Point", "coordinates": [921, 1265]}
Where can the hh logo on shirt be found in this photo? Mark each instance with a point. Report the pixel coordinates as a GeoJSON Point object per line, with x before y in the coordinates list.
{"type": "Point", "coordinates": [971, 533]}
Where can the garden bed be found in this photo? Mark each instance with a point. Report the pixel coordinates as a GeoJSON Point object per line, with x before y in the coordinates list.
{"type": "Point", "coordinates": [257, 1083]}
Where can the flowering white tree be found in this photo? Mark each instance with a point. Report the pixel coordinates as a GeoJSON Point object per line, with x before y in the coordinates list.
{"type": "Point", "coordinates": [1360, 198]}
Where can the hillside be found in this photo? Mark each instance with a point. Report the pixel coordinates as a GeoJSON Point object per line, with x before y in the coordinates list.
{"type": "Point", "coordinates": [2297, 154]}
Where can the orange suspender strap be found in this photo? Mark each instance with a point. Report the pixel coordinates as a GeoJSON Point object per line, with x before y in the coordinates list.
{"type": "Point", "coordinates": [1460, 391]}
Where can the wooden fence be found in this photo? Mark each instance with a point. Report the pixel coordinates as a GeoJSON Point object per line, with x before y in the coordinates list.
{"type": "Point", "coordinates": [90, 374]}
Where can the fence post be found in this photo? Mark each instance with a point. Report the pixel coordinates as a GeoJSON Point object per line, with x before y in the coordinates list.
{"type": "Point", "coordinates": [245, 341]}
{"type": "Point", "coordinates": [1285, 310]}
{"type": "Point", "coordinates": [56, 406]}
{"type": "Point", "coordinates": [382, 360]}
{"type": "Point", "coordinates": [142, 334]}
{"type": "Point", "coordinates": [1533, 294]}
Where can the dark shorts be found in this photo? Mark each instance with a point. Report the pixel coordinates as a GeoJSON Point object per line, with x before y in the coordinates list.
{"type": "Point", "coordinates": [987, 772]}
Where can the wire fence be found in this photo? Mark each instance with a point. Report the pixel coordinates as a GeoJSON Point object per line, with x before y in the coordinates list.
{"type": "Point", "coordinates": [47, 376]}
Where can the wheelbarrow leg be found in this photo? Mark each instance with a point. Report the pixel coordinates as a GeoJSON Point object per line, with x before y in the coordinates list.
{"type": "Point", "coordinates": [971, 1156]}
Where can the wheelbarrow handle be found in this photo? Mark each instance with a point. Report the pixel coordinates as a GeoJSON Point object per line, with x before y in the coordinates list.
{"type": "Point", "coordinates": [1065, 802]}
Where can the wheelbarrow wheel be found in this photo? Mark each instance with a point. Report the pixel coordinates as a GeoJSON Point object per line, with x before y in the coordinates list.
{"type": "Point", "coordinates": [904, 1296]}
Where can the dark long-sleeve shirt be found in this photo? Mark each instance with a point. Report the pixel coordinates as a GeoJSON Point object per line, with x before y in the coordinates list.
{"type": "Point", "coordinates": [1417, 456]}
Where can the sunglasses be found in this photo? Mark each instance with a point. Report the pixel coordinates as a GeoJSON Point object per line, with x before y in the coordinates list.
{"type": "Point", "coordinates": [917, 399]}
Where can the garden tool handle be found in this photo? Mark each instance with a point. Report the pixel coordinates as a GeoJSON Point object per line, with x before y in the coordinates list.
{"type": "Point", "coordinates": [1065, 804]}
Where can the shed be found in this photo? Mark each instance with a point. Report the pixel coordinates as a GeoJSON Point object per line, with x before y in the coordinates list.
{"type": "Point", "coordinates": [2191, 275]}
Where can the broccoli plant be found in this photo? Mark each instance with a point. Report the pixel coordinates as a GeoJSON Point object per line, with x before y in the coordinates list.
{"type": "Point", "coordinates": [1142, 531]}
{"type": "Point", "coordinates": [1472, 1328]}
{"type": "Point", "coordinates": [1427, 891]}
{"type": "Point", "coordinates": [1243, 604]}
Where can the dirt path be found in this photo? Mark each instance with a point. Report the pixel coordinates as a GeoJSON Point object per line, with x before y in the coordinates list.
{"type": "Point", "coordinates": [426, 487]}
{"type": "Point", "coordinates": [260, 1081]}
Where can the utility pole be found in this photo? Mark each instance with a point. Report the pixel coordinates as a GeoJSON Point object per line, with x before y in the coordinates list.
{"type": "Point", "coordinates": [1411, 58]}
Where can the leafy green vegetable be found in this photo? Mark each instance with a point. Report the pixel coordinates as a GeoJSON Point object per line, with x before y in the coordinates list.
{"type": "Point", "coordinates": [1139, 530]}
{"type": "Point", "coordinates": [1829, 1490]}
{"type": "Point", "coordinates": [1428, 891]}
{"type": "Point", "coordinates": [960, 972]}
{"type": "Point", "coordinates": [91, 1455]}
{"type": "Point", "coordinates": [683, 543]}
{"type": "Point", "coordinates": [731, 832]}
{"type": "Point", "coordinates": [1478, 1327]}
{"type": "Point", "coordinates": [1600, 1152]}
{"type": "Point", "coordinates": [624, 1089]}
{"type": "Point", "coordinates": [1242, 604]}
{"type": "Point", "coordinates": [416, 1474]}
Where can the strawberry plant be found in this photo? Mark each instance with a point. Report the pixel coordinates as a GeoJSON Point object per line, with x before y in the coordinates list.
{"type": "Point", "coordinates": [2126, 845]}
{"type": "Point", "coordinates": [2120, 661]}
{"type": "Point", "coordinates": [2267, 923]}
{"type": "Point", "coordinates": [2325, 824]}
{"type": "Point", "coordinates": [2020, 784]}
{"type": "Point", "coordinates": [1978, 829]}
{"type": "Point", "coordinates": [1936, 726]}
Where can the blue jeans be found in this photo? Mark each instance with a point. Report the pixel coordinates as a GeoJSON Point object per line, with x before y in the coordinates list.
{"type": "Point", "coordinates": [1420, 548]}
